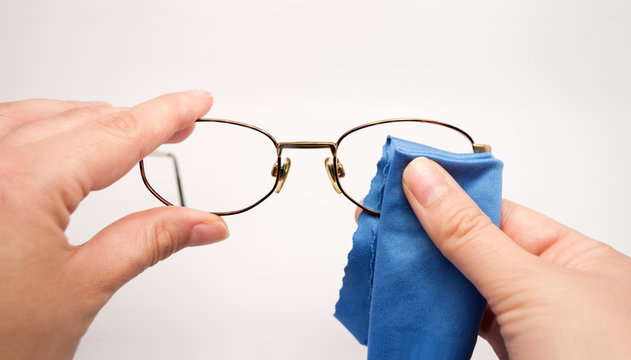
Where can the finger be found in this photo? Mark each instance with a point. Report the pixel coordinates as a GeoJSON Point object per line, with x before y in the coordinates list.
{"type": "Point", "coordinates": [127, 247]}
{"type": "Point", "coordinates": [531, 230]}
{"type": "Point", "coordinates": [17, 113]}
{"type": "Point", "coordinates": [181, 135]}
{"type": "Point", "coordinates": [460, 230]}
{"type": "Point", "coordinates": [358, 211]}
{"type": "Point", "coordinates": [55, 125]}
{"type": "Point", "coordinates": [98, 153]}
{"type": "Point", "coordinates": [490, 331]}
{"type": "Point", "coordinates": [545, 237]}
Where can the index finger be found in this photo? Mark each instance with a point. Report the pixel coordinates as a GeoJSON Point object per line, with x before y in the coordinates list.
{"type": "Point", "coordinates": [100, 152]}
{"type": "Point", "coordinates": [531, 230]}
{"type": "Point", "coordinates": [17, 113]}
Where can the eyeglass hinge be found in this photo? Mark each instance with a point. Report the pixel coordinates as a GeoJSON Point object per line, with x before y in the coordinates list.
{"type": "Point", "coordinates": [481, 148]}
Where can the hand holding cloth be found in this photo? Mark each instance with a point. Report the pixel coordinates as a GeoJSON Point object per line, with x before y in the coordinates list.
{"type": "Point", "coordinates": [400, 296]}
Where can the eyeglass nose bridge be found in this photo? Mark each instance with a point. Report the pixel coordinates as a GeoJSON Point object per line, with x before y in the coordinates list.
{"type": "Point", "coordinates": [333, 172]}
{"type": "Point", "coordinates": [307, 145]}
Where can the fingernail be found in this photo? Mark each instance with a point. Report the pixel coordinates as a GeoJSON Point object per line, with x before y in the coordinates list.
{"type": "Point", "coordinates": [204, 234]}
{"type": "Point", "coordinates": [425, 180]}
{"type": "Point", "coordinates": [200, 93]}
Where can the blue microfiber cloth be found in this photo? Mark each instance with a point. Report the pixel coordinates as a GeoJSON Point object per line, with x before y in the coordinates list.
{"type": "Point", "coordinates": [400, 296]}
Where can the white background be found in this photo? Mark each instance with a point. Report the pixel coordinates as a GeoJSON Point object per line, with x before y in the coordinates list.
{"type": "Point", "coordinates": [546, 82]}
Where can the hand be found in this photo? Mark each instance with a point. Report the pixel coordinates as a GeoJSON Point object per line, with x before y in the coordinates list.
{"type": "Point", "coordinates": [552, 293]}
{"type": "Point", "coordinates": [52, 154]}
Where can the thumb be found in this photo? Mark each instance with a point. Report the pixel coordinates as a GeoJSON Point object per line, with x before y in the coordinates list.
{"type": "Point", "coordinates": [127, 247]}
{"type": "Point", "coordinates": [461, 231]}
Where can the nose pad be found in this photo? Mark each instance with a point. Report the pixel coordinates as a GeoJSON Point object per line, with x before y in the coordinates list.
{"type": "Point", "coordinates": [330, 171]}
{"type": "Point", "coordinates": [282, 175]}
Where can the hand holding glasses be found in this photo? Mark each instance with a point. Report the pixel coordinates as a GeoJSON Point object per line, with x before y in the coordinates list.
{"type": "Point", "coordinates": [229, 167]}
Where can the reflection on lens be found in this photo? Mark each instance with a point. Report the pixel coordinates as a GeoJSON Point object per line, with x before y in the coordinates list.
{"type": "Point", "coordinates": [223, 168]}
{"type": "Point", "coordinates": [361, 150]}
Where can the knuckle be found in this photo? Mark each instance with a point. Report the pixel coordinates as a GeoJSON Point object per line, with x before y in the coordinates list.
{"type": "Point", "coordinates": [462, 225]}
{"type": "Point", "coordinates": [16, 179]}
{"type": "Point", "coordinates": [4, 108]}
{"type": "Point", "coordinates": [13, 109]}
{"type": "Point", "coordinates": [162, 244]}
{"type": "Point", "coordinates": [122, 124]}
{"type": "Point", "coordinates": [86, 112]}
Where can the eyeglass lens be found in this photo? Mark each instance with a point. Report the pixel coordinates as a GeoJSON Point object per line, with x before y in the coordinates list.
{"type": "Point", "coordinates": [223, 168]}
{"type": "Point", "coordinates": [360, 151]}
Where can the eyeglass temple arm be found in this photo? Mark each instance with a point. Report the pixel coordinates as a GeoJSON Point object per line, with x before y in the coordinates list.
{"type": "Point", "coordinates": [177, 172]}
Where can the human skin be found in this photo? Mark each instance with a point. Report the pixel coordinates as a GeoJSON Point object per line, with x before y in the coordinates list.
{"type": "Point", "coordinates": [52, 154]}
{"type": "Point", "coordinates": [552, 292]}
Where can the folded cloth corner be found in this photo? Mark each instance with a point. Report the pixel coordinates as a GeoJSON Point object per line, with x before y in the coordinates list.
{"type": "Point", "coordinates": [400, 296]}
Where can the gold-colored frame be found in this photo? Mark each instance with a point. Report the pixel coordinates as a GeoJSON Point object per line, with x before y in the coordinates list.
{"type": "Point", "coordinates": [333, 167]}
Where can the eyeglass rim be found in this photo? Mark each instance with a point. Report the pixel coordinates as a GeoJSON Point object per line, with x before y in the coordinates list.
{"type": "Point", "coordinates": [221, 213]}
{"type": "Point", "coordinates": [476, 148]}
{"type": "Point", "coordinates": [381, 122]}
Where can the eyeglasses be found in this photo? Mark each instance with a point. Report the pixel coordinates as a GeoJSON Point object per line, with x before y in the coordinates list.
{"type": "Point", "coordinates": [228, 167]}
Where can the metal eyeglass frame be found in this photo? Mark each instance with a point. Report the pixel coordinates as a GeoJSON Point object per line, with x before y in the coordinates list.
{"type": "Point", "coordinates": [334, 168]}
